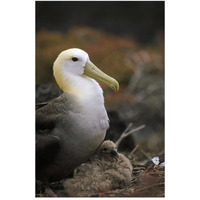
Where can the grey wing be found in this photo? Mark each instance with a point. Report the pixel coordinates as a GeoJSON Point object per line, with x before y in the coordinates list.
{"type": "Point", "coordinates": [50, 113]}
{"type": "Point", "coordinates": [47, 117]}
{"type": "Point", "coordinates": [40, 105]}
{"type": "Point", "coordinates": [47, 146]}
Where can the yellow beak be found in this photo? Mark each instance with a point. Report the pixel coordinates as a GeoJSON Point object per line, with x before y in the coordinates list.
{"type": "Point", "coordinates": [94, 72]}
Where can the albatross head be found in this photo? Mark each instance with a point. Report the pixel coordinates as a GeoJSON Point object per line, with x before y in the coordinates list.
{"type": "Point", "coordinates": [73, 66]}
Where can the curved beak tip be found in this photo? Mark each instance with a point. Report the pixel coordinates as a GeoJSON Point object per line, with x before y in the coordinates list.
{"type": "Point", "coordinates": [115, 86]}
{"type": "Point", "coordinates": [114, 153]}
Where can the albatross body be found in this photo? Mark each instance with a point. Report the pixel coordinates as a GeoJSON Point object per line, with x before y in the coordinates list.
{"type": "Point", "coordinates": [71, 127]}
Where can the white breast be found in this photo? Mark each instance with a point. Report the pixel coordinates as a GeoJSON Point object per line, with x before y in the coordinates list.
{"type": "Point", "coordinates": [92, 102]}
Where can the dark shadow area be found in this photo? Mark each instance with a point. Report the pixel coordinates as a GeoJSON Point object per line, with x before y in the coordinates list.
{"type": "Point", "coordinates": [139, 20]}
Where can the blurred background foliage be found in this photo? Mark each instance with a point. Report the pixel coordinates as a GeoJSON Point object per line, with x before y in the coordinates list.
{"type": "Point", "coordinates": [126, 41]}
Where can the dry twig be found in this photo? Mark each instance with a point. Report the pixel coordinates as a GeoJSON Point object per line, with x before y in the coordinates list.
{"type": "Point", "coordinates": [134, 150]}
{"type": "Point", "coordinates": [127, 133]}
{"type": "Point", "coordinates": [147, 155]}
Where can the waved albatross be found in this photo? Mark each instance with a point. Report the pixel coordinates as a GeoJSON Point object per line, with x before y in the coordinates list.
{"type": "Point", "coordinates": [70, 128]}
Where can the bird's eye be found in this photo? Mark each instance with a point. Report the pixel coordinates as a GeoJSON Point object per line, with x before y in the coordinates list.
{"type": "Point", "coordinates": [105, 149]}
{"type": "Point", "coordinates": [75, 59]}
